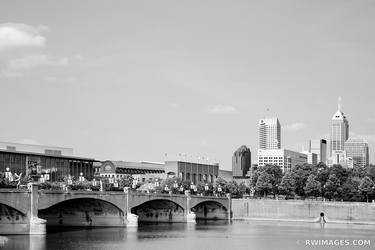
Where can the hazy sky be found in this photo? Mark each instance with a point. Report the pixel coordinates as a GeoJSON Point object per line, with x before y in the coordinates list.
{"type": "Point", "coordinates": [133, 80]}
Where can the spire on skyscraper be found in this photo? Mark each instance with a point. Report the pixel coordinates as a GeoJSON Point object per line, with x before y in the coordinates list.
{"type": "Point", "coordinates": [339, 103]}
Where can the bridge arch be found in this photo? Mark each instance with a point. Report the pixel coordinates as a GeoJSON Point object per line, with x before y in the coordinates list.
{"type": "Point", "coordinates": [210, 210]}
{"type": "Point", "coordinates": [159, 210]}
{"type": "Point", "coordinates": [20, 207]}
{"type": "Point", "coordinates": [9, 214]}
{"type": "Point", "coordinates": [215, 200]}
{"type": "Point", "coordinates": [83, 211]}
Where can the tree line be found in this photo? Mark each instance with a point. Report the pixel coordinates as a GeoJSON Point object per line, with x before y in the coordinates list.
{"type": "Point", "coordinates": [312, 181]}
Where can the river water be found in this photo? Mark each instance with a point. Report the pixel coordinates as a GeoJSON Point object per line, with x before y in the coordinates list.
{"type": "Point", "coordinates": [203, 235]}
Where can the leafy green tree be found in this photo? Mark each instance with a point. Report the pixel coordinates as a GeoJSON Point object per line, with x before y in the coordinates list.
{"type": "Point", "coordinates": [288, 184]}
{"type": "Point", "coordinates": [125, 181]}
{"type": "Point", "coordinates": [243, 189]}
{"type": "Point", "coordinates": [322, 173]}
{"type": "Point", "coordinates": [275, 175]}
{"type": "Point", "coordinates": [232, 188]}
{"type": "Point", "coordinates": [300, 175]}
{"type": "Point", "coordinates": [350, 191]}
{"type": "Point", "coordinates": [332, 188]}
{"type": "Point", "coordinates": [370, 172]}
{"type": "Point", "coordinates": [359, 172]}
{"type": "Point", "coordinates": [264, 184]}
{"type": "Point", "coordinates": [254, 178]}
{"type": "Point", "coordinates": [366, 186]}
{"type": "Point", "coordinates": [340, 172]}
{"type": "Point", "coordinates": [313, 187]}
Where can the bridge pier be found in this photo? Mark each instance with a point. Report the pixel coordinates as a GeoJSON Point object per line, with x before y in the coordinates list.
{"type": "Point", "coordinates": [190, 215]}
{"type": "Point", "coordinates": [229, 208]}
{"type": "Point", "coordinates": [131, 219]}
{"type": "Point", "coordinates": [37, 225]}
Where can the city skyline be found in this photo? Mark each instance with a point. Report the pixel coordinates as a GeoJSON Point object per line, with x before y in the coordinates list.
{"type": "Point", "coordinates": [137, 83]}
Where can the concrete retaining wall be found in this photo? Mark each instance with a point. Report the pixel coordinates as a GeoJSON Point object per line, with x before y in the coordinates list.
{"type": "Point", "coordinates": [303, 210]}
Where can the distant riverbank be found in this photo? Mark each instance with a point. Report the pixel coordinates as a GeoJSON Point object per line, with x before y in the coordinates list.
{"type": "Point", "coordinates": [303, 211]}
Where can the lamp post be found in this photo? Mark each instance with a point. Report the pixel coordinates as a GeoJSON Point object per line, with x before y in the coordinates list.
{"type": "Point", "coordinates": [134, 183]}
{"type": "Point", "coordinates": [206, 188]}
{"type": "Point", "coordinates": [81, 177]}
{"type": "Point", "coordinates": [70, 181]}
{"type": "Point", "coordinates": [175, 186]}
{"type": "Point", "coordinates": [219, 189]}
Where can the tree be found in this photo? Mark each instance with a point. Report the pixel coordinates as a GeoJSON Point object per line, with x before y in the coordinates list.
{"type": "Point", "coordinates": [264, 183]}
{"type": "Point", "coordinates": [288, 184]}
{"type": "Point", "coordinates": [126, 181]}
{"type": "Point", "coordinates": [232, 188]}
{"type": "Point", "coordinates": [275, 175]}
{"type": "Point", "coordinates": [370, 172]}
{"type": "Point", "coordinates": [300, 175]}
{"type": "Point", "coordinates": [340, 172]}
{"type": "Point", "coordinates": [366, 186]}
{"type": "Point", "coordinates": [313, 187]}
{"type": "Point", "coordinates": [243, 189]}
{"type": "Point", "coordinates": [332, 188]}
{"type": "Point", "coordinates": [350, 189]}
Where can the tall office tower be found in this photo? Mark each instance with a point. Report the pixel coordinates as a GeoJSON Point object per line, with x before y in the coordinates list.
{"type": "Point", "coordinates": [269, 133]}
{"type": "Point", "coordinates": [357, 149]}
{"type": "Point", "coordinates": [339, 130]}
{"type": "Point", "coordinates": [241, 162]}
{"type": "Point", "coordinates": [319, 147]}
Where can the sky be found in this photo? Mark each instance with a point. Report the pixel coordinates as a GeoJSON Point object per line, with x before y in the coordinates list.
{"type": "Point", "coordinates": [136, 80]}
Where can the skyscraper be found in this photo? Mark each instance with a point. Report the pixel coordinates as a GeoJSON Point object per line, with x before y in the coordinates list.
{"type": "Point", "coordinates": [357, 149]}
{"type": "Point", "coordinates": [339, 130]}
{"type": "Point", "coordinates": [269, 133]}
{"type": "Point", "coordinates": [241, 162]}
{"type": "Point", "coordinates": [319, 147]}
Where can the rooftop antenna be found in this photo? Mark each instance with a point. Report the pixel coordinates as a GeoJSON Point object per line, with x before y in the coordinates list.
{"type": "Point", "coordinates": [339, 103]}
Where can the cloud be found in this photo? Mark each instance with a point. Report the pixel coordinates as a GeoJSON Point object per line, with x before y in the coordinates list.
{"type": "Point", "coordinates": [13, 35]}
{"type": "Point", "coordinates": [16, 67]}
{"type": "Point", "coordinates": [221, 109]}
{"type": "Point", "coordinates": [295, 126]}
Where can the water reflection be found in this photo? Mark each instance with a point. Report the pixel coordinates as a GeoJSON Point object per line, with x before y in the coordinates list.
{"type": "Point", "coordinates": [203, 235]}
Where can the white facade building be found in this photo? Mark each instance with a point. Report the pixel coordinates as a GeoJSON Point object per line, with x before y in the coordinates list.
{"type": "Point", "coordinates": [285, 159]}
{"type": "Point", "coordinates": [269, 133]}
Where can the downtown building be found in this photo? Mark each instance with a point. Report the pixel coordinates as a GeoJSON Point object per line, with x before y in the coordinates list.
{"type": "Point", "coordinates": [319, 147]}
{"type": "Point", "coordinates": [285, 159]}
{"type": "Point", "coordinates": [339, 131]}
{"type": "Point", "coordinates": [339, 135]}
{"type": "Point", "coordinates": [52, 163]}
{"type": "Point", "coordinates": [269, 133]}
{"type": "Point", "coordinates": [357, 150]}
{"type": "Point", "coordinates": [241, 162]}
{"type": "Point", "coordinates": [270, 151]}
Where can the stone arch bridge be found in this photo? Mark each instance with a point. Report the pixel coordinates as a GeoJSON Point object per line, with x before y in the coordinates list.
{"type": "Point", "coordinates": [30, 211]}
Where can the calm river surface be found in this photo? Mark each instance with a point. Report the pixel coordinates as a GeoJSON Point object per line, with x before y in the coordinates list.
{"type": "Point", "coordinates": [203, 235]}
